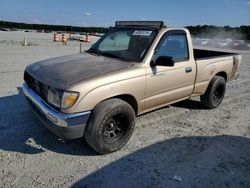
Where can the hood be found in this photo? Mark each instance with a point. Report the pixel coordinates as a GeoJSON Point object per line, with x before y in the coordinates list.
{"type": "Point", "coordinates": [62, 72]}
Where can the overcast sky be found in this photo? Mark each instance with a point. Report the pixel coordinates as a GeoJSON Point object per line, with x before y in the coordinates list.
{"type": "Point", "coordinates": [106, 12]}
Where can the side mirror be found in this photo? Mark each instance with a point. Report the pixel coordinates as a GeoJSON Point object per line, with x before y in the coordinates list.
{"type": "Point", "coordinates": [166, 61]}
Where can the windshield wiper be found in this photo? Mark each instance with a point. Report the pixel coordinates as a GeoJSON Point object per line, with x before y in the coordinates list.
{"type": "Point", "coordinates": [93, 51]}
{"type": "Point", "coordinates": [106, 54]}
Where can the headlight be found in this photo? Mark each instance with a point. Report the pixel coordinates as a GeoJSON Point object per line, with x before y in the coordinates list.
{"type": "Point", "coordinates": [62, 99]}
{"type": "Point", "coordinates": [54, 97]}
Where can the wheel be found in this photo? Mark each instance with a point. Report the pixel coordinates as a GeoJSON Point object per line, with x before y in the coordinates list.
{"type": "Point", "coordinates": [214, 93]}
{"type": "Point", "coordinates": [110, 126]}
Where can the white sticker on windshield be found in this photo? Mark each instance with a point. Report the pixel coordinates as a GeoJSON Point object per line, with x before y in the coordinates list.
{"type": "Point", "coordinates": [142, 33]}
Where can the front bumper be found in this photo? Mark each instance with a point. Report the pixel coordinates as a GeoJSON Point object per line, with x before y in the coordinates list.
{"type": "Point", "coordinates": [67, 126]}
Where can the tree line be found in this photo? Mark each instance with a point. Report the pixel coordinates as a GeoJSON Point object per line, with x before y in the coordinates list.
{"type": "Point", "coordinates": [46, 27]}
{"type": "Point", "coordinates": [204, 31]}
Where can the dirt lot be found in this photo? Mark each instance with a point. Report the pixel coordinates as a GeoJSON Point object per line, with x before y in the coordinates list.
{"type": "Point", "coordinates": [206, 148]}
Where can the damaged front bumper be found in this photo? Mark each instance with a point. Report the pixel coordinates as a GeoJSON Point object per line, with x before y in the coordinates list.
{"type": "Point", "coordinates": [67, 126]}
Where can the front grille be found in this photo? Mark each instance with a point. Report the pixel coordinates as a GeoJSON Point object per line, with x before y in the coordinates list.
{"type": "Point", "coordinates": [38, 87]}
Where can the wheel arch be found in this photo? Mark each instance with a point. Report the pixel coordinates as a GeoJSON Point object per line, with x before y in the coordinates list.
{"type": "Point", "coordinates": [130, 99]}
{"type": "Point", "coordinates": [222, 74]}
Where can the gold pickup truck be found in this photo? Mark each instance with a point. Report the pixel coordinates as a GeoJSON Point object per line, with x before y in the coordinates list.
{"type": "Point", "coordinates": [135, 68]}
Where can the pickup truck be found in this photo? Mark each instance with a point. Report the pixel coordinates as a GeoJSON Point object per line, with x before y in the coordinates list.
{"type": "Point", "coordinates": [136, 67]}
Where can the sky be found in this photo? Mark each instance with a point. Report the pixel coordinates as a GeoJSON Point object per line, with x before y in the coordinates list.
{"type": "Point", "coordinates": [175, 13]}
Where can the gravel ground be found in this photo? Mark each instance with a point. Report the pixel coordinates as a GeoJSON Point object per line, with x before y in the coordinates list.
{"type": "Point", "coordinates": [203, 148]}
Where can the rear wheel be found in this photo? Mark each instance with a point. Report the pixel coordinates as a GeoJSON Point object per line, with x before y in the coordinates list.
{"type": "Point", "coordinates": [110, 126]}
{"type": "Point", "coordinates": [214, 93]}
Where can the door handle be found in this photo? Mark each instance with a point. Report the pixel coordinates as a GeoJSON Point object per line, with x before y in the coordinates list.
{"type": "Point", "coordinates": [188, 69]}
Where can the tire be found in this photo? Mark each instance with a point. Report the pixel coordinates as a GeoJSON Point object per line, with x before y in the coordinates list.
{"type": "Point", "coordinates": [110, 126]}
{"type": "Point", "coordinates": [214, 93]}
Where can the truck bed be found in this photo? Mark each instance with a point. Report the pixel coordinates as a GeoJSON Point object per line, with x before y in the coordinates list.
{"type": "Point", "coordinates": [209, 61]}
{"type": "Point", "coordinates": [207, 54]}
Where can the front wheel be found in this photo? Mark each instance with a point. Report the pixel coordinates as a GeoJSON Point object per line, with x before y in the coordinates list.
{"type": "Point", "coordinates": [214, 93]}
{"type": "Point", "coordinates": [110, 126]}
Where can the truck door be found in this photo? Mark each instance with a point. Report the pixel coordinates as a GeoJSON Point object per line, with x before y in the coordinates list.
{"type": "Point", "coordinates": [166, 83]}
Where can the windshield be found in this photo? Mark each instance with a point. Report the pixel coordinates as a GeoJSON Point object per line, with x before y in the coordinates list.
{"type": "Point", "coordinates": [126, 44]}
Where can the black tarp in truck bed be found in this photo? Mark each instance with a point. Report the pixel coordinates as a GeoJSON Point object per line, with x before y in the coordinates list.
{"type": "Point", "coordinates": [206, 54]}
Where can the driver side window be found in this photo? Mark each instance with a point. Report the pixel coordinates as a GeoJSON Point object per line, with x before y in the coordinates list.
{"type": "Point", "coordinates": [174, 46]}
